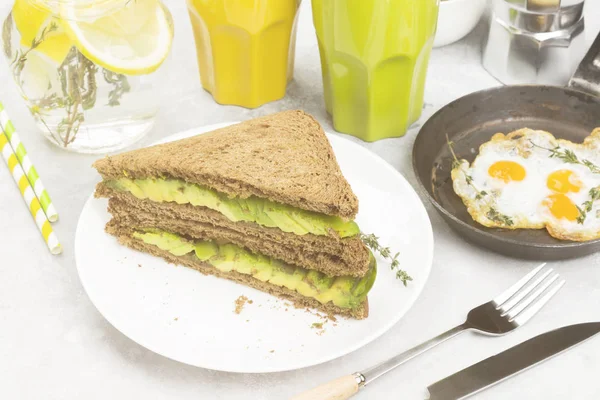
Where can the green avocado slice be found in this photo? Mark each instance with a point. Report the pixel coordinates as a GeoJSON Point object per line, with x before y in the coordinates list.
{"type": "Point", "coordinates": [343, 291]}
{"type": "Point", "coordinates": [253, 209]}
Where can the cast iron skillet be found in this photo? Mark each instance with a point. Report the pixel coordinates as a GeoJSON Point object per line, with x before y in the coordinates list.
{"type": "Point", "coordinates": [568, 113]}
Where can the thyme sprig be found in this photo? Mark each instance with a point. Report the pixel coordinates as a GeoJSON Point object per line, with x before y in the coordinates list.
{"type": "Point", "coordinates": [7, 35]}
{"type": "Point", "coordinates": [568, 156]}
{"type": "Point", "coordinates": [372, 241]}
{"type": "Point", "coordinates": [121, 86]}
{"type": "Point", "coordinates": [455, 161]}
{"type": "Point", "coordinates": [78, 84]}
{"type": "Point", "coordinates": [495, 216]}
{"type": "Point", "coordinates": [492, 213]}
{"type": "Point", "coordinates": [21, 56]}
{"type": "Point", "coordinates": [588, 205]}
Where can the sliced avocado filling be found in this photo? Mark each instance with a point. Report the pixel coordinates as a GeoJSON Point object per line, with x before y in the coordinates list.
{"type": "Point", "coordinates": [253, 209]}
{"type": "Point", "coordinates": [343, 291]}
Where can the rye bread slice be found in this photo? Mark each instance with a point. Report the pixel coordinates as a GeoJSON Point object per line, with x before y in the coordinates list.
{"type": "Point", "coordinates": [331, 255]}
{"type": "Point", "coordinates": [284, 157]}
{"type": "Point", "coordinates": [125, 238]}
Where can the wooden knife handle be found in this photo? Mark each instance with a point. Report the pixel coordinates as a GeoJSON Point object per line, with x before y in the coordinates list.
{"type": "Point", "coordinates": [338, 389]}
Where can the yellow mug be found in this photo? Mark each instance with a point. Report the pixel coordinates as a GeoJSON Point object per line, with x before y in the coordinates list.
{"type": "Point", "coordinates": [245, 48]}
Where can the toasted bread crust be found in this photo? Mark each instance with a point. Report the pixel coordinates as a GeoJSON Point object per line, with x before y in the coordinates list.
{"type": "Point", "coordinates": [284, 157]}
{"type": "Point", "coordinates": [328, 254]}
{"type": "Point", "coordinates": [124, 236]}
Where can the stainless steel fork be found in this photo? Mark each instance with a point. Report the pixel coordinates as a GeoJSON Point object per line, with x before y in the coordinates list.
{"type": "Point", "coordinates": [503, 314]}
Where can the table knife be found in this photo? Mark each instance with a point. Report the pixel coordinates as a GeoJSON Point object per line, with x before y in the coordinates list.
{"type": "Point", "coordinates": [495, 369]}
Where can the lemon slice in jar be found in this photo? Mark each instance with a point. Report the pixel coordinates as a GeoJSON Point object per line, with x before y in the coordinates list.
{"type": "Point", "coordinates": [35, 23]}
{"type": "Point", "coordinates": [133, 39]}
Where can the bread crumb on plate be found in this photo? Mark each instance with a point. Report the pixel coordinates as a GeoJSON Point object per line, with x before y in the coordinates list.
{"type": "Point", "coordinates": [240, 302]}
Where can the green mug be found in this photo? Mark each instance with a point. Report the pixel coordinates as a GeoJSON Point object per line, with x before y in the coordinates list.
{"type": "Point", "coordinates": [374, 57]}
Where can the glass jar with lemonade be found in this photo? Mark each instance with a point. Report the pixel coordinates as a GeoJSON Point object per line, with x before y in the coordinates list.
{"type": "Point", "coordinates": [89, 69]}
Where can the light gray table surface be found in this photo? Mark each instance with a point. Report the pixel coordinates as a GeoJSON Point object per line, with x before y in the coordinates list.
{"type": "Point", "coordinates": [55, 345]}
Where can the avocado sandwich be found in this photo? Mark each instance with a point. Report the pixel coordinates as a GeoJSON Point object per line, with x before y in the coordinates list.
{"type": "Point", "coordinates": [262, 203]}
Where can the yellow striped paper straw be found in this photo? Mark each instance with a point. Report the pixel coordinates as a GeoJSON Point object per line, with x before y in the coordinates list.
{"type": "Point", "coordinates": [34, 179]}
{"type": "Point", "coordinates": [29, 196]}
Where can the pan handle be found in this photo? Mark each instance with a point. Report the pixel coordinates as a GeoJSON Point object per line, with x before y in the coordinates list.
{"type": "Point", "coordinates": [587, 76]}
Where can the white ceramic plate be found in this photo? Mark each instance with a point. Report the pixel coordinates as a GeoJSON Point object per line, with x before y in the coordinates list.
{"type": "Point", "coordinates": [186, 316]}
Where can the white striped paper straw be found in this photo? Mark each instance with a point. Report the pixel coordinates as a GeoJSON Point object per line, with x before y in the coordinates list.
{"type": "Point", "coordinates": [34, 179]}
{"type": "Point", "coordinates": [29, 196]}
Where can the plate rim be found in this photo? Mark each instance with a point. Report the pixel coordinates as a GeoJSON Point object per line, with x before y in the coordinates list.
{"type": "Point", "coordinates": [427, 266]}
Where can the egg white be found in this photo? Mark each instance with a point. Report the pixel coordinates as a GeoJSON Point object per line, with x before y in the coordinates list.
{"type": "Point", "coordinates": [522, 202]}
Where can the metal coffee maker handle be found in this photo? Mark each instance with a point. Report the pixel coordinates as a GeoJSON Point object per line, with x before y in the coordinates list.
{"type": "Point", "coordinates": [587, 76]}
{"type": "Point", "coordinates": [535, 41]}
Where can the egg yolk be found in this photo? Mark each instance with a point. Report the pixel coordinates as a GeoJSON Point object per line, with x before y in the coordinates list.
{"type": "Point", "coordinates": [563, 181]}
{"type": "Point", "coordinates": [507, 171]}
{"type": "Point", "coordinates": [562, 207]}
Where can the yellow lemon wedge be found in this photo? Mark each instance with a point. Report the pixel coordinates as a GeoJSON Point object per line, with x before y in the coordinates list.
{"type": "Point", "coordinates": [32, 20]}
{"type": "Point", "coordinates": [39, 77]}
{"type": "Point", "coordinates": [135, 39]}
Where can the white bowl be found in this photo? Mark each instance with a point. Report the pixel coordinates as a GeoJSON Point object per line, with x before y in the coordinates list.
{"type": "Point", "coordinates": [456, 19]}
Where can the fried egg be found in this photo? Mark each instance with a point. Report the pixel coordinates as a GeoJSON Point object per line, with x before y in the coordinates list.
{"type": "Point", "coordinates": [528, 179]}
